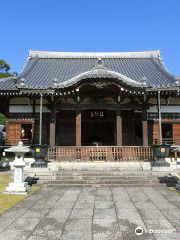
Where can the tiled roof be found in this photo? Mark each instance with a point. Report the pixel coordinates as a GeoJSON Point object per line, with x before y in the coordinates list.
{"type": "Point", "coordinates": [7, 84]}
{"type": "Point", "coordinates": [41, 68]}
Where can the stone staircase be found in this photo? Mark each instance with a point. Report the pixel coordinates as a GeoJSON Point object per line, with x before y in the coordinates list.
{"type": "Point", "coordinates": [75, 178]}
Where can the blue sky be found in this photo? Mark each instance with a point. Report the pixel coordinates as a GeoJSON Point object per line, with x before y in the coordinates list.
{"type": "Point", "coordinates": [94, 25]}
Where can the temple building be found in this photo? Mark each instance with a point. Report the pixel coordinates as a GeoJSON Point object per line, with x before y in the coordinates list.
{"type": "Point", "coordinates": [76, 100]}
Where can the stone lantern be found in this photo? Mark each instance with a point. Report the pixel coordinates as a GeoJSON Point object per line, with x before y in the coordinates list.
{"type": "Point", "coordinates": [18, 186]}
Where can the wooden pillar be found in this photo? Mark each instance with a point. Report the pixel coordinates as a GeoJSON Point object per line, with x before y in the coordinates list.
{"type": "Point", "coordinates": [78, 123]}
{"type": "Point", "coordinates": [159, 117]}
{"type": "Point", "coordinates": [119, 123]}
{"type": "Point", "coordinates": [40, 118]}
{"type": "Point", "coordinates": [144, 127]}
{"type": "Point", "coordinates": [52, 135]}
{"type": "Point", "coordinates": [34, 125]}
{"type": "Point", "coordinates": [34, 108]}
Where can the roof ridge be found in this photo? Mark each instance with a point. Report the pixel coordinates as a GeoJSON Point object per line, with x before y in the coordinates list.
{"type": "Point", "coordinates": [44, 54]}
{"type": "Point", "coordinates": [162, 69]}
{"type": "Point", "coordinates": [29, 65]}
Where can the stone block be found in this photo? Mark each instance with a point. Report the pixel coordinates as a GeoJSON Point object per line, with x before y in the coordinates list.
{"type": "Point", "coordinates": [178, 164]}
{"type": "Point", "coordinates": [105, 213]}
{"type": "Point", "coordinates": [102, 225]}
{"type": "Point", "coordinates": [151, 214]}
{"type": "Point", "coordinates": [163, 169]}
{"type": "Point", "coordinates": [162, 224]}
{"type": "Point", "coordinates": [39, 170]}
{"type": "Point", "coordinates": [106, 235]}
{"type": "Point", "coordinates": [167, 236]}
{"type": "Point", "coordinates": [128, 214]}
{"type": "Point", "coordinates": [53, 166]}
{"type": "Point", "coordinates": [104, 204]}
{"type": "Point", "coordinates": [146, 166]}
{"type": "Point", "coordinates": [24, 224]}
{"type": "Point", "coordinates": [78, 225]}
{"type": "Point", "coordinates": [14, 235]}
{"type": "Point", "coordinates": [76, 235]}
{"type": "Point", "coordinates": [81, 213]}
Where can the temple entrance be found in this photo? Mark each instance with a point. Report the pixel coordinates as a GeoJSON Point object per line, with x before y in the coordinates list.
{"type": "Point", "coordinates": [98, 127]}
{"type": "Point", "coordinates": [131, 128]}
{"type": "Point", "coordinates": [97, 133]}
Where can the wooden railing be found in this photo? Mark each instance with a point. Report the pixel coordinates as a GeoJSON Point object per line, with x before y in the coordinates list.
{"type": "Point", "coordinates": [124, 153]}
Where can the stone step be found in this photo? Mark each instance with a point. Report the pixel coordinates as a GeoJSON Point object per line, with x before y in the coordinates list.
{"type": "Point", "coordinates": [100, 175]}
{"type": "Point", "coordinates": [101, 185]}
{"type": "Point", "coordinates": [95, 173]}
{"type": "Point", "coordinates": [110, 173]}
{"type": "Point", "coordinates": [70, 181]}
{"type": "Point", "coordinates": [103, 179]}
{"type": "Point", "coordinates": [88, 176]}
{"type": "Point", "coordinates": [95, 177]}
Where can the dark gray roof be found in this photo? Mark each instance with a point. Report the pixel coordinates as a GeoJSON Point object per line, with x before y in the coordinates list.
{"type": "Point", "coordinates": [41, 68]}
{"type": "Point", "coordinates": [7, 84]}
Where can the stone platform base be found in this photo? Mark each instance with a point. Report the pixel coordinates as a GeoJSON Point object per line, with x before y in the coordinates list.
{"type": "Point", "coordinates": [164, 169]}
{"type": "Point", "coordinates": [17, 193]}
{"type": "Point", "coordinates": [121, 166]}
{"type": "Point", "coordinates": [102, 166]}
{"type": "Point", "coordinates": [18, 188]}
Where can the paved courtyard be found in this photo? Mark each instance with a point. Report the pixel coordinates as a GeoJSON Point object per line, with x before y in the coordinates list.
{"type": "Point", "coordinates": [94, 214]}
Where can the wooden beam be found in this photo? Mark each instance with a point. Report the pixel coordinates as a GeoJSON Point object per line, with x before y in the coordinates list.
{"type": "Point", "coordinates": [69, 106]}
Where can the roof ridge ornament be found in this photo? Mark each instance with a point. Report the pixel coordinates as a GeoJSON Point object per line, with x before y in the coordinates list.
{"type": "Point", "coordinates": [144, 81]}
{"type": "Point", "coordinates": [15, 76]}
{"type": "Point", "coordinates": [177, 80]}
{"type": "Point", "coordinates": [159, 51]}
{"type": "Point", "coordinates": [99, 65]}
{"type": "Point", "coordinates": [22, 82]}
{"type": "Point", "coordinates": [55, 81]}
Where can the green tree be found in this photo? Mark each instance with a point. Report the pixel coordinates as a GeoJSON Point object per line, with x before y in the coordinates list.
{"type": "Point", "coordinates": [4, 72]}
{"type": "Point", "coordinates": [4, 68]}
{"type": "Point", "coordinates": [2, 119]}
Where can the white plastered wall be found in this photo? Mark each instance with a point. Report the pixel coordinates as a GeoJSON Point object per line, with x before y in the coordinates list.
{"type": "Point", "coordinates": [23, 105]}
{"type": "Point", "coordinates": [165, 109]}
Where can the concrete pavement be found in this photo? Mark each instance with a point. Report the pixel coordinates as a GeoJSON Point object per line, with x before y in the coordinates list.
{"type": "Point", "coordinates": [94, 214]}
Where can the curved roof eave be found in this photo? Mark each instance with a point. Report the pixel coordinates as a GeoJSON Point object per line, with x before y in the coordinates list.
{"type": "Point", "coordinates": [99, 73]}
